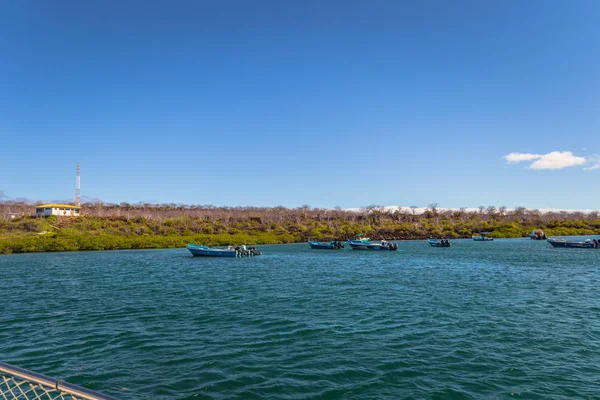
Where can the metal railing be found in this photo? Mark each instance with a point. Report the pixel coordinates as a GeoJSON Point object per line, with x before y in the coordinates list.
{"type": "Point", "coordinates": [19, 383]}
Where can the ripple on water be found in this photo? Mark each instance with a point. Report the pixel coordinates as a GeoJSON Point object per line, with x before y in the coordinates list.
{"type": "Point", "coordinates": [511, 318]}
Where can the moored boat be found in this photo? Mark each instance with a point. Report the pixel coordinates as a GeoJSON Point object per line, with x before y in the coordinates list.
{"type": "Point", "coordinates": [359, 239]}
{"type": "Point", "coordinates": [438, 243]}
{"type": "Point", "coordinates": [587, 244]}
{"type": "Point", "coordinates": [333, 245]}
{"type": "Point", "coordinates": [483, 237]}
{"type": "Point", "coordinates": [537, 234]}
{"type": "Point", "coordinates": [239, 251]}
{"type": "Point", "coordinates": [373, 246]}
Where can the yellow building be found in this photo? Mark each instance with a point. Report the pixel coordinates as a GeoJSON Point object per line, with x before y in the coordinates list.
{"type": "Point", "coordinates": [62, 210]}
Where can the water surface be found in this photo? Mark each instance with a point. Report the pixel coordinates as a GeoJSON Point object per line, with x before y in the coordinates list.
{"type": "Point", "coordinates": [510, 318]}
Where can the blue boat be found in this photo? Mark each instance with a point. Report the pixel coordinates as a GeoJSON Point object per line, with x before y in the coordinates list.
{"type": "Point", "coordinates": [373, 246]}
{"type": "Point", "coordinates": [333, 245]}
{"type": "Point", "coordinates": [588, 244]}
{"type": "Point", "coordinates": [205, 251]}
{"type": "Point", "coordinates": [483, 237]}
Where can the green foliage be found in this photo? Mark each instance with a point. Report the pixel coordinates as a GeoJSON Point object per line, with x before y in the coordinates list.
{"type": "Point", "coordinates": [29, 234]}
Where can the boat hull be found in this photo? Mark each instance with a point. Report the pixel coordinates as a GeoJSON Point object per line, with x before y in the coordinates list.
{"type": "Point", "coordinates": [436, 243]}
{"type": "Point", "coordinates": [212, 253]}
{"type": "Point", "coordinates": [571, 245]}
{"type": "Point", "coordinates": [205, 251]}
{"type": "Point", "coordinates": [483, 239]}
{"type": "Point", "coordinates": [324, 246]}
{"type": "Point", "coordinates": [359, 241]}
{"type": "Point", "coordinates": [372, 247]}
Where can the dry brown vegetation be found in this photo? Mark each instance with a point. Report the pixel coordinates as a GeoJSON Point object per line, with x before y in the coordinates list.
{"type": "Point", "coordinates": [107, 226]}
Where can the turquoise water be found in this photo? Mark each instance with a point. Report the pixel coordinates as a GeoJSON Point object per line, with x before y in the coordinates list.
{"type": "Point", "coordinates": [510, 318]}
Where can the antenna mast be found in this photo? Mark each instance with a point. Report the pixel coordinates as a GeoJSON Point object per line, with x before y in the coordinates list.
{"type": "Point", "coordinates": [78, 187]}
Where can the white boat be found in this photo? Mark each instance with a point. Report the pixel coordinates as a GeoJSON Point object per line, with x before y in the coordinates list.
{"type": "Point", "coordinates": [373, 246]}
{"type": "Point", "coordinates": [438, 243]}
{"type": "Point", "coordinates": [537, 234]}
{"type": "Point", "coordinates": [358, 240]}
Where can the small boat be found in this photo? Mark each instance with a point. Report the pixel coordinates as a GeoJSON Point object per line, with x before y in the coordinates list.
{"type": "Point", "coordinates": [333, 245]}
{"type": "Point", "coordinates": [373, 246]}
{"type": "Point", "coordinates": [359, 239]}
{"type": "Point", "coordinates": [483, 237]}
{"type": "Point", "coordinates": [438, 243]}
{"type": "Point", "coordinates": [537, 234]}
{"type": "Point", "coordinates": [587, 244]}
{"type": "Point", "coordinates": [239, 251]}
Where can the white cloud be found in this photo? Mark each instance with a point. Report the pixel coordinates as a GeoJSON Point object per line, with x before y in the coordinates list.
{"type": "Point", "coordinates": [552, 160]}
{"type": "Point", "coordinates": [518, 157]}
{"type": "Point", "coordinates": [558, 160]}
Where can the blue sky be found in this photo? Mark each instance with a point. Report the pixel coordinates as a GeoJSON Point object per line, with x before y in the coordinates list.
{"type": "Point", "coordinates": [326, 103]}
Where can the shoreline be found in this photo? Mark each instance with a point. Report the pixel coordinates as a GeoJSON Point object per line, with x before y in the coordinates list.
{"type": "Point", "coordinates": [526, 238]}
{"type": "Point", "coordinates": [27, 234]}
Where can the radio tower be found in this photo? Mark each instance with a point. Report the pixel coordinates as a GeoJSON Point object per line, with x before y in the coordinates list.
{"type": "Point", "coordinates": [78, 187]}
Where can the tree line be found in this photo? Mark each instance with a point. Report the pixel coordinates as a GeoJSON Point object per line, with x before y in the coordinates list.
{"type": "Point", "coordinates": [144, 225]}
